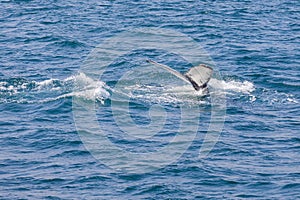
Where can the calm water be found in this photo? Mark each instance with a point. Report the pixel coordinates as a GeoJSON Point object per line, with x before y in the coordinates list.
{"type": "Point", "coordinates": [253, 44]}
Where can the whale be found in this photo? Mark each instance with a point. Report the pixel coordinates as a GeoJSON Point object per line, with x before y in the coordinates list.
{"type": "Point", "coordinates": [197, 76]}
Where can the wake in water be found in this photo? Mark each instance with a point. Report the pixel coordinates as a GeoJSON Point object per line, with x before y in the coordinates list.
{"type": "Point", "coordinates": [19, 90]}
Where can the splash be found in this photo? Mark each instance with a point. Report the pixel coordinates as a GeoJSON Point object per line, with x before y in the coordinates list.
{"type": "Point", "coordinates": [273, 97]}
{"type": "Point", "coordinates": [245, 87]}
{"type": "Point", "coordinates": [236, 89]}
{"type": "Point", "coordinates": [161, 94]}
{"type": "Point", "coordinates": [19, 90]}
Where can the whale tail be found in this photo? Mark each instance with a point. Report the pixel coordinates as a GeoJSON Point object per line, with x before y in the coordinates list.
{"type": "Point", "coordinates": [198, 76]}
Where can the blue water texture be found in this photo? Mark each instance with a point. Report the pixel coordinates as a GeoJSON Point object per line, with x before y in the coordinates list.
{"type": "Point", "coordinates": [254, 46]}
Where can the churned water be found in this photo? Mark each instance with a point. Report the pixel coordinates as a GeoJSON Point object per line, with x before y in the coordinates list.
{"type": "Point", "coordinates": [58, 89]}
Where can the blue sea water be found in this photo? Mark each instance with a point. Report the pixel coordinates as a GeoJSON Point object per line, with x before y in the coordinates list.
{"type": "Point", "coordinates": [254, 46]}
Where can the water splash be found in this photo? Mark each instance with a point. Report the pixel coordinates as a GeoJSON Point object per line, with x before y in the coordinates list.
{"type": "Point", "coordinates": [236, 89]}
{"type": "Point", "coordinates": [19, 90]}
{"type": "Point", "coordinates": [244, 87]}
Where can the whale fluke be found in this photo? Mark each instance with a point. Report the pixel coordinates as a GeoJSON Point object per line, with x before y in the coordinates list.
{"type": "Point", "coordinates": [198, 76]}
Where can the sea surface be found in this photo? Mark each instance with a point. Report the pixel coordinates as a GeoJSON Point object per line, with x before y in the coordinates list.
{"type": "Point", "coordinates": [49, 149]}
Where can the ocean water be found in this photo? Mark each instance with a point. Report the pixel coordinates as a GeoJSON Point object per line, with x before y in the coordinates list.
{"type": "Point", "coordinates": [54, 101]}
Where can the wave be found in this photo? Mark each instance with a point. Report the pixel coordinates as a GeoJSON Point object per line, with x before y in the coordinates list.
{"type": "Point", "coordinates": [20, 90]}
{"type": "Point", "coordinates": [245, 87]}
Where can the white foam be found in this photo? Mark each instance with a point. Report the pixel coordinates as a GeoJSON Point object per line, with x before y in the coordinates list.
{"type": "Point", "coordinates": [162, 94]}
{"type": "Point", "coordinates": [87, 88]}
{"type": "Point", "coordinates": [45, 82]}
{"type": "Point", "coordinates": [2, 85]}
{"type": "Point", "coordinates": [292, 100]}
{"type": "Point", "coordinates": [235, 86]}
{"type": "Point", "coordinates": [98, 94]}
{"type": "Point", "coordinates": [78, 85]}
{"type": "Point", "coordinates": [82, 79]}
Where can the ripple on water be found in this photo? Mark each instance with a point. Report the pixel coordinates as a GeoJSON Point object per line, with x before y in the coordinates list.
{"type": "Point", "coordinates": [255, 46]}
